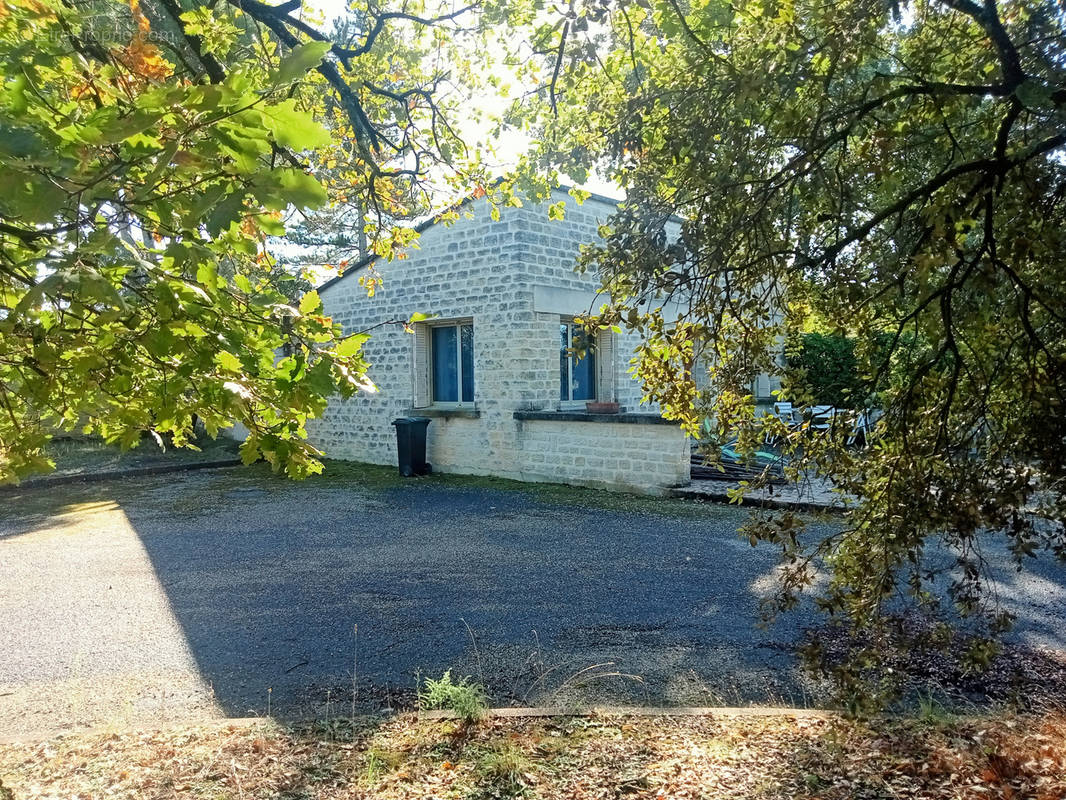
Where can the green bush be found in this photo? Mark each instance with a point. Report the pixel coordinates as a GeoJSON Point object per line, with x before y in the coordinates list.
{"type": "Point", "coordinates": [465, 698]}
{"type": "Point", "coordinates": [829, 370]}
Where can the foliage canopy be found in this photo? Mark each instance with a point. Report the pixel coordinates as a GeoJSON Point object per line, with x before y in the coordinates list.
{"type": "Point", "coordinates": [825, 372]}
{"type": "Point", "coordinates": [897, 169]}
{"type": "Point", "coordinates": [150, 155]}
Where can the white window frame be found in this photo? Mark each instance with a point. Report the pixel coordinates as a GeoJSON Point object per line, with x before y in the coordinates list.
{"type": "Point", "coordinates": [429, 355]}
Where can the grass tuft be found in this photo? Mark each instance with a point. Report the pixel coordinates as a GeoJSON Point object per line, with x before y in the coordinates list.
{"type": "Point", "coordinates": [380, 762]}
{"type": "Point", "coordinates": [502, 771]}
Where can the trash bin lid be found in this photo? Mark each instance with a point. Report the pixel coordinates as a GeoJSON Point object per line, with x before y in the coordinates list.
{"type": "Point", "coordinates": [401, 421]}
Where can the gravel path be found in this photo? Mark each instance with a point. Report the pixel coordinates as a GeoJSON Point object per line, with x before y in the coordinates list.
{"type": "Point", "coordinates": [184, 597]}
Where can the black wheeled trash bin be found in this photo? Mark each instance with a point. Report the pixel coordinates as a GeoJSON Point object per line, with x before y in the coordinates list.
{"type": "Point", "coordinates": [411, 445]}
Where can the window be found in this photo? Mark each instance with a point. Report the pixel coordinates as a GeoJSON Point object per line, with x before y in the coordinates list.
{"type": "Point", "coordinates": [577, 363]}
{"type": "Point", "coordinates": [452, 363]}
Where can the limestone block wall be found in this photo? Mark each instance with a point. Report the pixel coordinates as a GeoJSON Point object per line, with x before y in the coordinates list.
{"type": "Point", "coordinates": [492, 273]}
{"type": "Point", "coordinates": [548, 254]}
{"type": "Point", "coordinates": [610, 455]}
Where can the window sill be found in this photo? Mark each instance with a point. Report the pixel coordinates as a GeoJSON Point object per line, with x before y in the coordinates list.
{"type": "Point", "coordinates": [626, 418]}
{"type": "Point", "coordinates": [440, 412]}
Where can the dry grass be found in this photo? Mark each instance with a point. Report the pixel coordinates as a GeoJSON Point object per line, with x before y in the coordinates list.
{"type": "Point", "coordinates": [604, 757]}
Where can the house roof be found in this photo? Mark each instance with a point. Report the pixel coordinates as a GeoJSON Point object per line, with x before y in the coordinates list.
{"type": "Point", "coordinates": [429, 223]}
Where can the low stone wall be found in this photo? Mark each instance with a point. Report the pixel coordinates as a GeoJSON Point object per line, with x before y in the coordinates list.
{"type": "Point", "coordinates": [639, 453]}
{"type": "Point", "coordinates": [634, 456]}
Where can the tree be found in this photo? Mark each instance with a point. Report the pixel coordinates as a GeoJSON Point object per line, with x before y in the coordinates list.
{"type": "Point", "coordinates": [824, 368]}
{"type": "Point", "coordinates": [150, 156]}
{"type": "Point", "coordinates": [895, 168]}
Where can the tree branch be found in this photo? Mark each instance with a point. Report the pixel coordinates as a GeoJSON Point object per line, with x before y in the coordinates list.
{"type": "Point", "coordinates": [211, 65]}
{"type": "Point", "coordinates": [364, 129]}
{"type": "Point", "coordinates": [988, 18]}
{"type": "Point", "coordinates": [994, 167]}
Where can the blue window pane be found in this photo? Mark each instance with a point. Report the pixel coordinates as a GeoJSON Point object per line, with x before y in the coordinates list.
{"type": "Point", "coordinates": [445, 366]}
{"type": "Point", "coordinates": [564, 362]}
{"type": "Point", "coordinates": [577, 376]}
{"type": "Point", "coordinates": [467, 346]}
{"type": "Point", "coordinates": [583, 373]}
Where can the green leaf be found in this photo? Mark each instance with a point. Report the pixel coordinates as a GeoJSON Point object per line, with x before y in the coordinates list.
{"type": "Point", "coordinates": [310, 303]}
{"type": "Point", "coordinates": [206, 97]}
{"type": "Point", "coordinates": [244, 141]}
{"type": "Point", "coordinates": [207, 274]}
{"type": "Point", "coordinates": [203, 203]}
{"type": "Point", "coordinates": [160, 342]}
{"type": "Point", "coordinates": [1035, 95]}
{"type": "Point", "coordinates": [16, 94]}
{"type": "Point", "coordinates": [250, 450]}
{"type": "Point", "coordinates": [20, 142]}
{"type": "Point", "coordinates": [122, 128]}
{"type": "Point", "coordinates": [269, 225]}
{"type": "Point", "coordinates": [319, 379]}
{"type": "Point", "coordinates": [351, 345]}
{"type": "Point", "coordinates": [29, 197]}
{"type": "Point", "coordinates": [302, 59]}
{"type": "Point", "coordinates": [301, 189]}
{"type": "Point", "coordinates": [294, 128]}
{"type": "Point", "coordinates": [228, 361]}
{"type": "Point", "coordinates": [225, 213]}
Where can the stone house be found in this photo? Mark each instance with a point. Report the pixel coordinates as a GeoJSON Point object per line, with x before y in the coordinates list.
{"type": "Point", "coordinates": [492, 368]}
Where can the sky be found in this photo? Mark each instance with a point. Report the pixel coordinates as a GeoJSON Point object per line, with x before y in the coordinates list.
{"type": "Point", "coordinates": [331, 8]}
{"type": "Point", "coordinates": [508, 147]}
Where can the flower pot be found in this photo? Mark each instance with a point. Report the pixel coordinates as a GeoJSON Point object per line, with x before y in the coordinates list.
{"type": "Point", "coordinates": [594, 407]}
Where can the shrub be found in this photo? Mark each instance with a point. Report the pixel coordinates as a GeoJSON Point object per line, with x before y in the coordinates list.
{"type": "Point", "coordinates": [829, 371]}
{"type": "Point", "coordinates": [465, 698]}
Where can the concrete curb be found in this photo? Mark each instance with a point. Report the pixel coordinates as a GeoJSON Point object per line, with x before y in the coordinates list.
{"type": "Point", "coordinates": [757, 502]}
{"type": "Point", "coordinates": [642, 711]}
{"type": "Point", "coordinates": [118, 474]}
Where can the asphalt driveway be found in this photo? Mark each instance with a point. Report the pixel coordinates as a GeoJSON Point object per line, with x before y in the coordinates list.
{"type": "Point", "coordinates": [233, 593]}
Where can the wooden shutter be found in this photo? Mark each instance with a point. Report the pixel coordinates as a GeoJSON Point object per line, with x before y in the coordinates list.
{"type": "Point", "coordinates": [606, 391]}
{"type": "Point", "coordinates": [420, 366]}
{"type": "Point", "coordinates": [762, 386]}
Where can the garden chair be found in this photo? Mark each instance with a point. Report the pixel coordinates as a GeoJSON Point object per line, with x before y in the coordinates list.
{"type": "Point", "coordinates": [786, 413]}
{"type": "Point", "coordinates": [822, 417]}
{"type": "Point", "coordinates": [864, 423]}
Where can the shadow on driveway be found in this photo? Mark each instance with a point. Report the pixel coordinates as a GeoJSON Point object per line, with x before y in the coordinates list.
{"type": "Point", "coordinates": [222, 593]}
{"type": "Point", "coordinates": [297, 588]}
